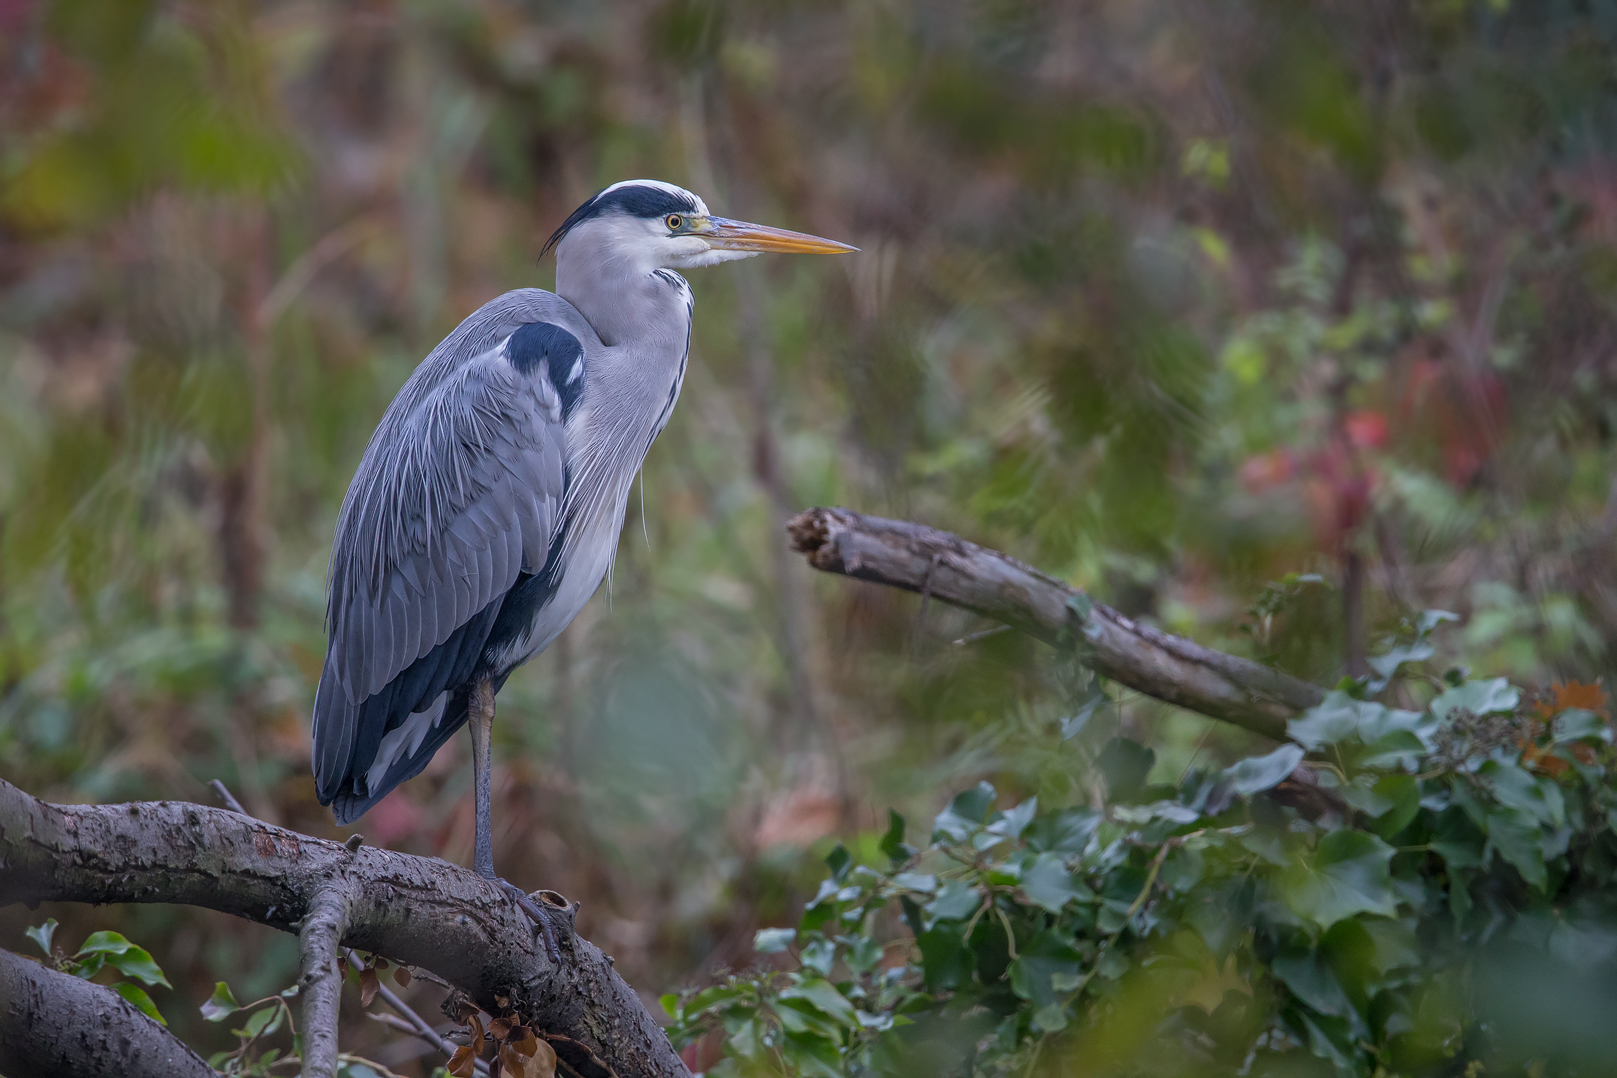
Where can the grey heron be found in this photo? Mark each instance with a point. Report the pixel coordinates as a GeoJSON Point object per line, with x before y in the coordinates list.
{"type": "Point", "coordinates": [487, 507]}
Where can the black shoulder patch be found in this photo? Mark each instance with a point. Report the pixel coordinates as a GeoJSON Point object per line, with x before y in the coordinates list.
{"type": "Point", "coordinates": [559, 352]}
{"type": "Point", "coordinates": [632, 201]}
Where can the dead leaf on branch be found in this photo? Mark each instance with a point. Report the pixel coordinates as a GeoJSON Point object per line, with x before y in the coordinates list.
{"type": "Point", "coordinates": [368, 985]}
{"type": "Point", "coordinates": [541, 1064]}
{"type": "Point", "coordinates": [463, 1062]}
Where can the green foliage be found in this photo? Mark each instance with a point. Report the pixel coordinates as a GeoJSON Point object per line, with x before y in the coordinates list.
{"type": "Point", "coordinates": [106, 950]}
{"type": "Point", "coordinates": [1210, 926]}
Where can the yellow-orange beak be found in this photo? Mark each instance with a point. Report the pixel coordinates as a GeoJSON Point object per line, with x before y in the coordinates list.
{"type": "Point", "coordinates": [727, 235]}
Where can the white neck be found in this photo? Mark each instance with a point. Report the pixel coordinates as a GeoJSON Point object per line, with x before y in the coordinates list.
{"type": "Point", "coordinates": [614, 283]}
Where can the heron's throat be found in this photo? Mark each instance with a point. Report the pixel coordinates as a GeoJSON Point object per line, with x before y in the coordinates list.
{"type": "Point", "coordinates": [623, 298]}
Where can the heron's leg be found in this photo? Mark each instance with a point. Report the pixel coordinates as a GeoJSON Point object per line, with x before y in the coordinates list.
{"type": "Point", "coordinates": [480, 717]}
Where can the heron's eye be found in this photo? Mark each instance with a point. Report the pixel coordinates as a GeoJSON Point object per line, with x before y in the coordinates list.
{"type": "Point", "coordinates": [674, 222]}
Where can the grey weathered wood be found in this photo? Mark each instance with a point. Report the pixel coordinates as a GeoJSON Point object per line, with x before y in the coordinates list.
{"type": "Point", "coordinates": [54, 1024]}
{"type": "Point", "coordinates": [945, 566]}
{"type": "Point", "coordinates": [416, 910]}
{"type": "Point", "coordinates": [319, 981]}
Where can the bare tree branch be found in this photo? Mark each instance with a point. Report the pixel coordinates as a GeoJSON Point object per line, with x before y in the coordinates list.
{"type": "Point", "coordinates": [945, 566]}
{"type": "Point", "coordinates": [53, 1023]}
{"type": "Point", "coordinates": [418, 911]}
{"type": "Point", "coordinates": [319, 978]}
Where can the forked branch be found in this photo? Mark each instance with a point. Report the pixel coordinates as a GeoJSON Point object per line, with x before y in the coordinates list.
{"type": "Point", "coordinates": [419, 911]}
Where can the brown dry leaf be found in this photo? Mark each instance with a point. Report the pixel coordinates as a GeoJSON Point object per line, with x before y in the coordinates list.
{"type": "Point", "coordinates": [542, 1064]}
{"type": "Point", "coordinates": [342, 966]}
{"type": "Point", "coordinates": [379, 963]}
{"type": "Point", "coordinates": [1577, 694]}
{"type": "Point", "coordinates": [523, 1040]}
{"type": "Point", "coordinates": [402, 976]}
{"type": "Point", "coordinates": [1539, 759]}
{"type": "Point", "coordinates": [500, 1028]}
{"type": "Point", "coordinates": [466, 1011]}
{"type": "Point", "coordinates": [368, 984]}
{"type": "Point", "coordinates": [462, 1062]}
{"type": "Point", "coordinates": [477, 1035]}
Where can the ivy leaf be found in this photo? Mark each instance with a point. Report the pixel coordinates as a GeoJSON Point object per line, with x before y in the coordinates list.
{"type": "Point", "coordinates": [773, 940]}
{"type": "Point", "coordinates": [892, 843]}
{"type": "Point", "coordinates": [1515, 788]}
{"type": "Point", "coordinates": [1403, 792]}
{"type": "Point", "coordinates": [812, 1055]}
{"type": "Point", "coordinates": [863, 953]}
{"type": "Point", "coordinates": [104, 943]}
{"type": "Point", "coordinates": [1258, 773]}
{"type": "Point", "coordinates": [965, 813]}
{"type": "Point", "coordinates": [1387, 665]}
{"type": "Point", "coordinates": [43, 934]}
{"type": "Point", "coordinates": [1125, 764]}
{"type": "Point", "coordinates": [819, 955]}
{"type": "Point", "coordinates": [1346, 874]}
{"type": "Point", "coordinates": [945, 962]}
{"type": "Point", "coordinates": [1457, 840]}
{"type": "Point", "coordinates": [1050, 884]}
{"type": "Point", "coordinates": [1362, 794]}
{"type": "Point", "coordinates": [88, 967]}
{"type": "Point", "coordinates": [1578, 724]}
{"type": "Point", "coordinates": [1478, 697]}
{"type": "Point", "coordinates": [1014, 821]}
{"type": "Point", "coordinates": [824, 997]}
{"type": "Point", "coordinates": [915, 881]}
{"type": "Point", "coordinates": [135, 994]}
{"type": "Point", "coordinates": [221, 1005]}
{"type": "Point", "coordinates": [1307, 973]}
{"type": "Point", "coordinates": [137, 963]}
{"type": "Point", "coordinates": [1044, 958]}
{"type": "Point", "coordinates": [1336, 718]}
{"type": "Point", "coordinates": [1518, 837]}
{"type": "Point", "coordinates": [1340, 717]}
{"type": "Point", "coordinates": [1050, 1018]}
{"type": "Point", "coordinates": [956, 901]}
{"type": "Point", "coordinates": [1067, 831]}
{"type": "Point", "coordinates": [839, 860]}
{"type": "Point", "coordinates": [259, 1021]}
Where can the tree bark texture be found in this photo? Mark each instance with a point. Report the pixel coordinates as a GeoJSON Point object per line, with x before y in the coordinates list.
{"type": "Point", "coordinates": [945, 566]}
{"type": "Point", "coordinates": [53, 1025]}
{"type": "Point", "coordinates": [418, 911]}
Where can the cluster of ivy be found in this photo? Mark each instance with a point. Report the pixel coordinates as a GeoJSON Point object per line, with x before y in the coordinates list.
{"type": "Point", "coordinates": [1431, 895]}
{"type": "Point", "coordinates": [260, 1020]}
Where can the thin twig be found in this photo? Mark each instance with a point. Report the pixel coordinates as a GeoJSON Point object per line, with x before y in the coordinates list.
{"type": "Point", "coordinates": [228, 798]}
{"type": "Point", "coordinates": [1150, 881]}
{"type": "Point", "coordinates": [412, 1022]}
{"type": "Point", "coordinates": [972, 638]}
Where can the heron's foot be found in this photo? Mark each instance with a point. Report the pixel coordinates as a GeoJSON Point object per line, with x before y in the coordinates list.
{"type": "Point", "coordinates": [548, 919]}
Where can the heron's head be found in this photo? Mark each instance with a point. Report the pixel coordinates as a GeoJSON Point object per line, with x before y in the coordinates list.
{"type": "Point", "coordinates": [650, 225]}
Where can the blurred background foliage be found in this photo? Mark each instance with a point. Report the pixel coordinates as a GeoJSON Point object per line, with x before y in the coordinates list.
{"type": "Point", "coordinates": [1171, 299]}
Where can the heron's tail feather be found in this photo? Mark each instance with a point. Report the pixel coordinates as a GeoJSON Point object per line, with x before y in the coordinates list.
{"type": "Point", "coordinates": [358, 796]}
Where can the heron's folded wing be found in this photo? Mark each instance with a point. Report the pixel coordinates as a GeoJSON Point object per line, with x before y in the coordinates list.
{"type": "Point", "coordinates": [443, 518]}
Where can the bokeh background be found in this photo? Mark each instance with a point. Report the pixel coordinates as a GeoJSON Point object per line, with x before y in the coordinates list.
{"type": "Point", "coordinates": [1172, 299]}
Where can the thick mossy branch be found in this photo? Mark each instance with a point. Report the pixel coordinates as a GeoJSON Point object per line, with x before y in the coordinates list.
{"type": "Point", "coordinates": [945, 566]}
{"type": "Point", "coordinates": [416, 910]}
{"type": "Point", "coordinates": [54, 1023]}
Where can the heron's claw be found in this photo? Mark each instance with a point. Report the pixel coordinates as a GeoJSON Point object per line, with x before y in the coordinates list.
{"type": "Point", "coordinates": [538, 914]}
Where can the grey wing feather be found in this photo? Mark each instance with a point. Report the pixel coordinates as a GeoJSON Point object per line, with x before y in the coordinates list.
{"type": "Point", "coordinates": [459, 491]}
{"type": "Point", "coordinates": [458, 485]}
